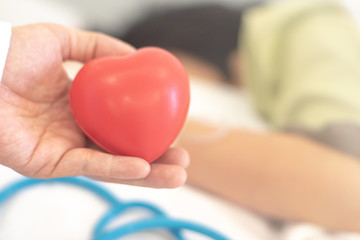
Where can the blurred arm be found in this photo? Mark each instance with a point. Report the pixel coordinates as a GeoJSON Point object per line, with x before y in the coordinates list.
{"type": "Point", "coordinates": [278, 174]}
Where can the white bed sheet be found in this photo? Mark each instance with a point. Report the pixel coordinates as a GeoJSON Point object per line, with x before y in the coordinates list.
{"type": "Point", "coordinates": [60, 212]}
{"type": "Point", "coordinates": [65, 213]}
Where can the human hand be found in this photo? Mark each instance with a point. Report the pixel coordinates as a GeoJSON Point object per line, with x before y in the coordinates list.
{"type": "Point", "coordinates": [39, 137]}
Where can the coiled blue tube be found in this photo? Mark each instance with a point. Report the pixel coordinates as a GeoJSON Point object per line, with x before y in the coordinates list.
{"type": "Point", "coordinates": [158, 220]}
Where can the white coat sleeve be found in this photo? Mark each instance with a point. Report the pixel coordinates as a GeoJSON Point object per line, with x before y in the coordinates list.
{"type": "Point", "coordinates": [5, 36]}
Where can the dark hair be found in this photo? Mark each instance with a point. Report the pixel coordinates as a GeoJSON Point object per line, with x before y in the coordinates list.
{"type": "Point", "coordinates": [206, 31]}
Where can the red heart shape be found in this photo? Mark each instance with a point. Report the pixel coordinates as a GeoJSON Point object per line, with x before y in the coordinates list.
{"type": "Point", "coordinates": [134, 105]}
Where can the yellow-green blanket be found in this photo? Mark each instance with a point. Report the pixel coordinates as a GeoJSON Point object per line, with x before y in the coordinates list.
{"type": "Point", "coordinates": [302, 63]}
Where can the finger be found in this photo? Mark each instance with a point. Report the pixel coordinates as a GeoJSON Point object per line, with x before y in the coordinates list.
{"type": "Point", "coordinates": [160, 176]}
{"type": "Point", "coordinates": [83, 161]}
{"type": "Point", "coordinates": [83, 45]}
{"type": "Point", "coordinates": [176, 156]}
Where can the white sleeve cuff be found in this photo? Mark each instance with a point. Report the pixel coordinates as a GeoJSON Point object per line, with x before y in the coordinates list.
{"type": "Point", "coordinates": [5, 36]}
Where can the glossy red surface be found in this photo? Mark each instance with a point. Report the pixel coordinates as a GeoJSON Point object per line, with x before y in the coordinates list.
{"type": "Point", "coordinates": [134, 105]}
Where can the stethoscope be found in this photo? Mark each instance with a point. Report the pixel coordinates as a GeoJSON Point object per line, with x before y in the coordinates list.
{"type": "Point", "coordinates": [158, 219]}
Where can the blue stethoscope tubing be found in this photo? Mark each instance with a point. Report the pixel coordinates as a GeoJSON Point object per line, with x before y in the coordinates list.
{"type": "Point", "coordinates": [159, 219]}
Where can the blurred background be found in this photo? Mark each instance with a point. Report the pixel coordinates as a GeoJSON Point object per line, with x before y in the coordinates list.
{"type": "Point", "coordinates": [106, 15]}
{"type": "Point", "coordinates": [115, 17]}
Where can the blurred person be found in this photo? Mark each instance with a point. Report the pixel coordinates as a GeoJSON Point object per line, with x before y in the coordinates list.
{"type": "Point", "coordinates": [300, 62]}
{"type": "Point", "coordinates": [39, 137]}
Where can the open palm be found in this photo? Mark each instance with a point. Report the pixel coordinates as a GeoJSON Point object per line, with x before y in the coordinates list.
{"type": "Point", "coordinates": [38, 134]}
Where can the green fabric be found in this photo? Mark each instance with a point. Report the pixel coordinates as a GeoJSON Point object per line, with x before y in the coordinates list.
{"type": "Point", "coordinates": [301, 63]}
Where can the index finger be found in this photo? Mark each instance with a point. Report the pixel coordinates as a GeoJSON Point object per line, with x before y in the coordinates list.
{"type": "Point", "coordinates": [84, 46]}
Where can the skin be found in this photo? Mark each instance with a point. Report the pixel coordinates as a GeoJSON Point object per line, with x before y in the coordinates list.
{"type": "Point", "coordinates": [39, 137]}
{"type": "Point", "coordinates": [277, 174]}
